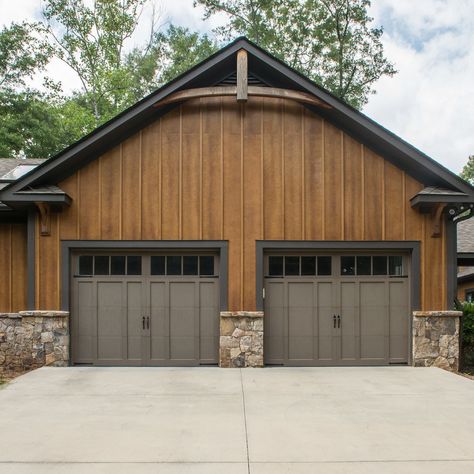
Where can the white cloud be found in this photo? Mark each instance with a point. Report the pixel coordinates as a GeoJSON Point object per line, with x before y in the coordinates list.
{"type": "Point", "coordinates": [429, 102]}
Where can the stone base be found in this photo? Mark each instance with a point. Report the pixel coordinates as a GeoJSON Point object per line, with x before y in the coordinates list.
{"type": "Point", "coordinates": [241, 340]}
{"type": "Point", "coordinates": [32, 339]}
{"type": "Point", "coordinates": [436, 339]}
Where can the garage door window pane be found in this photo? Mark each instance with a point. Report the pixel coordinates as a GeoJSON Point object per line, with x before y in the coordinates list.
{"type": "Point", "coordinates": [101, 265]}
{"type": "Point", "coordinates": [324, 266]}
{"type": "Point", "coordinates": [157, 265]}
{"type": "Point", "coordinates": [308, 265]}
{"type": "Point", "coordinates": [275, 266]}
{"type": "Point", "coordinates": [292, 266]}
{"type": "Point", "coordinates": [363, 265]}
{"type": "Point", "coordinates": [395, 266]}
{"type": "Point", "coordinates": [86, 265]}
{"type": "Point", "coordinates": [173, 265]}
{"type": "Point", "coordinates": [347, 266]}
{"type": "Point", "coordinates": [190, 265]}
{"type": "Point", "coordinates": [117, 265]}
{"type": "Point", "coordinates": [380, 265]}
{"type": "Point", "coordinates": [206, 265]}
{"type": "Point", "coordinates": [134, 265]}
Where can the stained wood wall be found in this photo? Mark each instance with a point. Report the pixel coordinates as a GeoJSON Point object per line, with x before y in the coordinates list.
{"type": "Point", "coordinates": [214, 169]}
{"type": "Point", "coordinates": [13, 266]}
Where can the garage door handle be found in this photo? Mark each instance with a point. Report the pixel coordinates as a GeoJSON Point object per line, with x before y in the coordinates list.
{"type": "Point", "coordinates": [338, 321]}
{"type": "Point", "coordinates": [143, 322]}
{"type": "Point", "coordinates": [334, 320]}
{"type": "Point", "coordinates": [148, 322]}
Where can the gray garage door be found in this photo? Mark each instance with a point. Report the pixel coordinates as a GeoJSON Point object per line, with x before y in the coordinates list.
{"type": "Point", "coordinates": [147, 309]}
{"type": "Point", "coordinates": [336, 309]}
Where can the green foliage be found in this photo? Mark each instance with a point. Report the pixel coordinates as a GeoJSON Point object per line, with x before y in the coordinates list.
{"type": "Point", "coordinates": [181, 49]}
{"type": "Point", "coordinates": [467, 172]}
{"type": "Point", "coordinates": [90, 38]}
{"type": "Point", "coordinates": [331, 41]}
{"type": "Point", "coordinates": [467, 332]}
{"type": "Point", "coordinates": [22, 53]}
{"type": "Point", "coordinates": [39, 125]}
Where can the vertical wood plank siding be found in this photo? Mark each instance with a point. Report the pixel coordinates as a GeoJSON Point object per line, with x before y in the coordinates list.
{"type": "Point", "coordinates": [268, 169]}
{"type": "Point", "coordinates": [13, 264]}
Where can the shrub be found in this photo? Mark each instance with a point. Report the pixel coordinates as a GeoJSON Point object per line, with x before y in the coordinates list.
{"type": "Point", "coordinates": [468, 333]}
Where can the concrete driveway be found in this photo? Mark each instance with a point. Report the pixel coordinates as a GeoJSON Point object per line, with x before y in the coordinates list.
{"type": "Point", "coordinates": [209, 420]}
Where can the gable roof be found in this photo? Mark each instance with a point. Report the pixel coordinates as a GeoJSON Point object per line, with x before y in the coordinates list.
{"type": "Point", "coordinates": [218, 68]}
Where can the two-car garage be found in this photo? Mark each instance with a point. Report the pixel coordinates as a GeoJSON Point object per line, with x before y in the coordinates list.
{"type": "Point", "coordinates": [161, 308]}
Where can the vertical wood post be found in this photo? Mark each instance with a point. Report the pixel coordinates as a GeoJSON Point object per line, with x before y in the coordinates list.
{"type": "Point", "coordinates": [242, 76]}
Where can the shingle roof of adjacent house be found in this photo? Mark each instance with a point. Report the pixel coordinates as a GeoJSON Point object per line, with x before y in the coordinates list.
{"type": "Point", "coordinates": [466, 236]}
{"type": "Point", "coordinates": [8, 164]}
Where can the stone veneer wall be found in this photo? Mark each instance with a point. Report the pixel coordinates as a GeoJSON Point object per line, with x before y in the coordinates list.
{"type": "Point", "coordinates": [241, 339]}
{"type": "Point", "coordinates": [31, 339]}
{"type": "Point", "coordinates": [436, 339]}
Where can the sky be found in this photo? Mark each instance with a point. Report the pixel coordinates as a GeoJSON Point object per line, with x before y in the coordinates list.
{"type": "Point", "coordinates": [429, 103]}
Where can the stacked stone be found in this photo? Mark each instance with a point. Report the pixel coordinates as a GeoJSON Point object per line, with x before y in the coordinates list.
{"type": "Point", "coordinates": [436, 339]}
{"type": "Point", "coordinates": [32, 339]}
{"type": "Point", "coordinates": [241, 339]}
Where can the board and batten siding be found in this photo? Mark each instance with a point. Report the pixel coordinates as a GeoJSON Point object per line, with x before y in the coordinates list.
{"type": "Point", "coordinates": [213, 169]}
{"type": "Point", "coordinates": [13, 262]}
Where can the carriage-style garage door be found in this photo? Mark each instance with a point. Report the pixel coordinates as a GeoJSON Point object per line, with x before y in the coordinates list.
{"type": "Point", "coordinates": [342, 309]}
{"type": "Point", "coordinates": [145, 309]}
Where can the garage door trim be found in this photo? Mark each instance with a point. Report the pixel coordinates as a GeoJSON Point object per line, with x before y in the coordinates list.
{"type": "Point", "coordinates": [68, 246]}
{"type": "Point", "coordinates": [411, 246]}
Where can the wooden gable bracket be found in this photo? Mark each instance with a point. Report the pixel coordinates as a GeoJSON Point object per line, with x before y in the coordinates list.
{"type": "Point", "coordinates": [242, 76]}
{"type": "Point", "coordinates": [437, 216]}
{"type": "Point", "coordinates": [45, 218]}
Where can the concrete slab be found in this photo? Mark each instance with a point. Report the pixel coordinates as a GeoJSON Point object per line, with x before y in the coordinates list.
{"type": "Point", "coordinates": [205, 420]}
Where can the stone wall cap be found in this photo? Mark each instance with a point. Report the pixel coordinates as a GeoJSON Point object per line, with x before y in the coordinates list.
{"type": "Point", "coordinates": [44, 314]}
{"type": "Point", "coordinates": [437, 314]}
{"type": "Point", "coordinates": [10, 315]}
{"type": "Point", "coordinates": [241, 314]}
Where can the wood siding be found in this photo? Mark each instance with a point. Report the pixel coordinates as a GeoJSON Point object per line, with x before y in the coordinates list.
{"type": "Point", "coordinates": [215, 169]}
{"type": "Point", "coordinates": [13, 268]}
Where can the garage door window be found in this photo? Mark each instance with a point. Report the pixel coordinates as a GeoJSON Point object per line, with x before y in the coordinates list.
{"type": "Point", "coordinates": [377, 265]}
{"type": "Point", "coordinates": [104, 265]}
{"type": "Point", "coordinates": [295, 265]}
{"type": "Point", "coordinates": [182, 265]}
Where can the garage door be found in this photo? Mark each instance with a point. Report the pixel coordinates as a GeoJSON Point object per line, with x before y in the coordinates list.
{"type": "Point", "coordinates": [147, 309]}
{"type": "Point", "coordinates": [336, 309]}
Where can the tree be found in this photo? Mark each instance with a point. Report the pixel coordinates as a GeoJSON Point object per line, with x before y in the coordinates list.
{"type": "Point", "coordinates": [331, 41]}
{"type": "Point", "coordinates": [22, 53]}
{"type": "Point", "coordinates": [467, 172]}
{"type": "Point", "coordinates": [92, 41]}
{"type": "Point", "coordinates": [38, 125]}
{"type": "Point", "coordinates": [181, 49]}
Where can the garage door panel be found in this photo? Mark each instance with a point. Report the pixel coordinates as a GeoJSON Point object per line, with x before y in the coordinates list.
{"type": "Point", "coordinates": [109, 321]}
{"type": "Point", "coordinates": [324, 323]}
{"type": "Point", "coordinates": [159, 324]}
{"type": "Point", "coordinates": [398, 321]}
{"type": "Point", "coordinates": [182, 321]}
{"type": "Point", "coordinates": [349, 321]}
{"type": "Point", "coordinates": [373, 315]}
{"type": "Point", "coordinates": [300, 320]}
{"type": "Point", "coordinates": [274, 322]}
{"type": "Point", "coordinates": [134, 320]}
{"type": "Point", "coordinates": [209, 324]}
{"type": "Point", "coordinates": [85, 323]}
